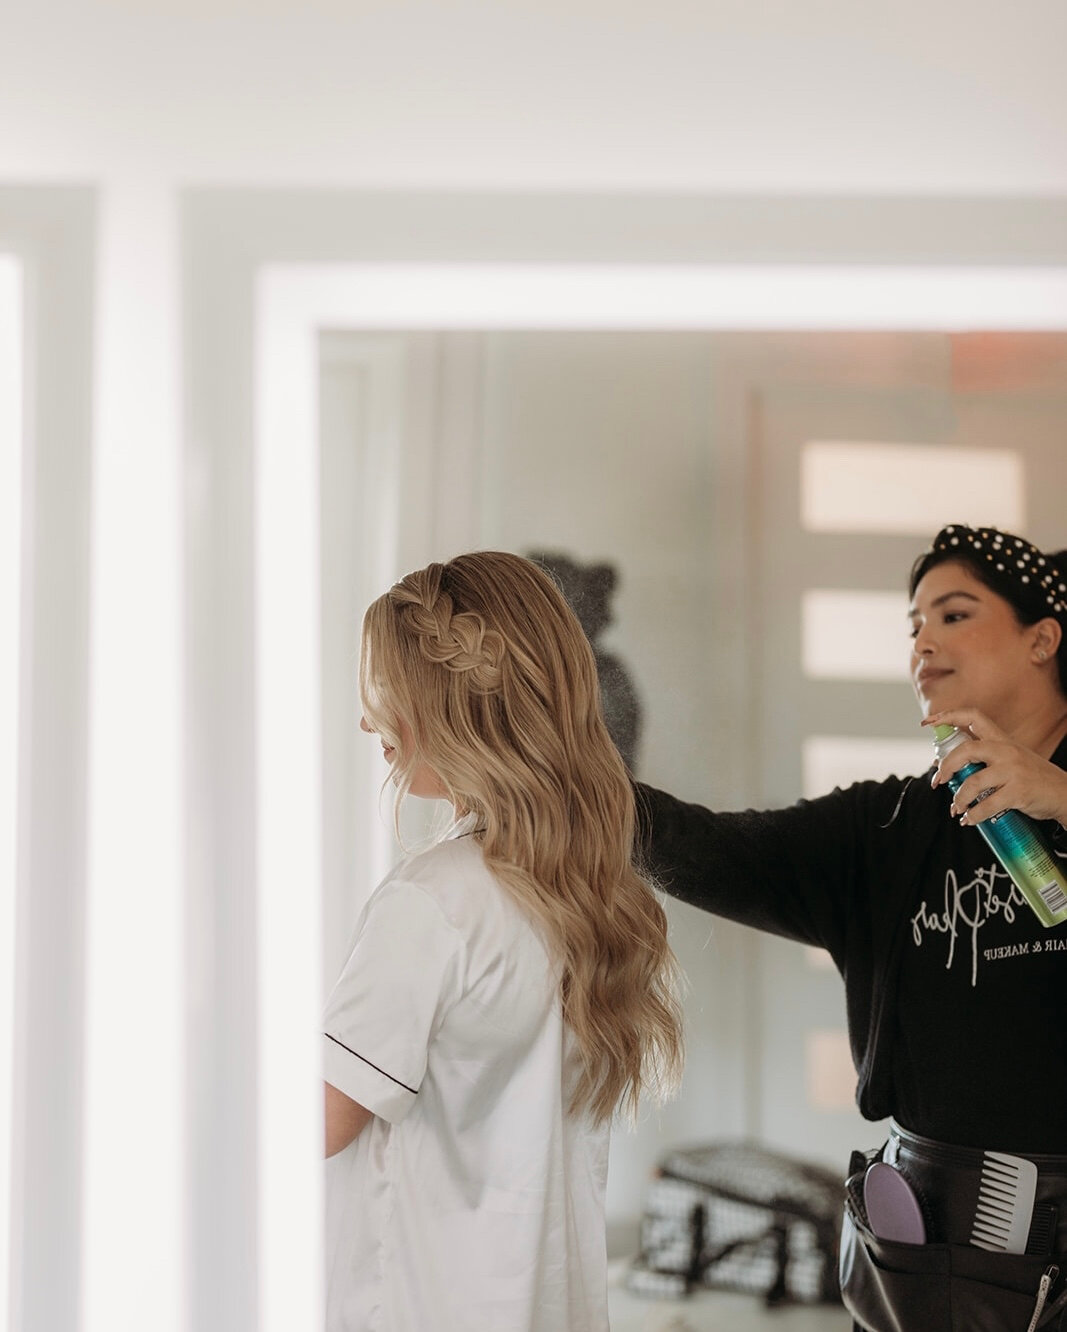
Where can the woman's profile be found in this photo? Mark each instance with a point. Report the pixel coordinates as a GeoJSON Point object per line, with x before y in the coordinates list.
{"type": "Point", "coordinates": [506, 990]}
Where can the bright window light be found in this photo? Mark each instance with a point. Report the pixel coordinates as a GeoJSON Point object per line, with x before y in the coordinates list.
{"type": "Point", "coordinates": [295, 302]}
{"type": "Point", "coordinates": [11, 449]}
{"type": "Point", "coordinates": [840, 760]}
{"type": "Point", "coordinates": [854, 635]}
{"type": "Point", "coordinates": [908, 489]}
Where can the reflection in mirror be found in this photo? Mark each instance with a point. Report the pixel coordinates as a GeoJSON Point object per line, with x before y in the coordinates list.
{"type": "Point", "coordinates": [666, 472]}
{"type": "Point", "coordinates": [660, 475]}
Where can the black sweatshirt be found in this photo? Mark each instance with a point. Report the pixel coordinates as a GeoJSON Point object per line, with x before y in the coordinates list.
{"type": "Point", "coordinates": [956, 995]}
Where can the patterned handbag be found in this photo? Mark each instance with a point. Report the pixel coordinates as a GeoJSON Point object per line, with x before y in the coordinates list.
{"type": "Point", "coordinates": [737, 1216]}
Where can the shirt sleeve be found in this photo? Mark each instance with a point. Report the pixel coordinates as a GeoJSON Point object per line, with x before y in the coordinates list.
{"type": "Point", "coordinates": [801, 872]}
{"type": "Point", "coordinates": [402, 975]}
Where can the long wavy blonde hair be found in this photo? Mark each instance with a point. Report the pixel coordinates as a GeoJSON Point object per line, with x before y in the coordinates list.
{"type": "Point", "coordinates": [487, 665]}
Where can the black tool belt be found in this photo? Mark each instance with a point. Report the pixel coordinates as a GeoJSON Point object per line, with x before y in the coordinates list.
{"type": "Point", "coordinates": [962, 1279]}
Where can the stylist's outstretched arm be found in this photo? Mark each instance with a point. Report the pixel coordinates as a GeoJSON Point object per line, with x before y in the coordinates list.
{"type": "Point", "coordinates": [955, 984]}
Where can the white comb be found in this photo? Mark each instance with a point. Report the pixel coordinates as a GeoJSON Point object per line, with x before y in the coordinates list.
{"type": "Point", "coordinates": [1005, 1208]}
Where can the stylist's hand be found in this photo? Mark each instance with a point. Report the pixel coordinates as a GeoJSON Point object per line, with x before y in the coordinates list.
{"type": "Point", "coordinates": [1014, 777]}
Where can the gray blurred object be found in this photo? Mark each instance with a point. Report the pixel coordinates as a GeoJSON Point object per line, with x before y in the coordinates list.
{"type": "Point", "coordinates": [588, 589]}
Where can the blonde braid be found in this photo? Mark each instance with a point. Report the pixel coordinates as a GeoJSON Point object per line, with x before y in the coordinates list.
{"type": "Point", "coordinates": [460, 641]}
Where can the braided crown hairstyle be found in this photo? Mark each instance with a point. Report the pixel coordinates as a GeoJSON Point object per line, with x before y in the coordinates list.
{"type": "Point", "coordinates": [489, 667]}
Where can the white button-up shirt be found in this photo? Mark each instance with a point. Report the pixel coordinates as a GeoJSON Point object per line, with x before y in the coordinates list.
{"type": "Point", "coordinates": [472, 1201]}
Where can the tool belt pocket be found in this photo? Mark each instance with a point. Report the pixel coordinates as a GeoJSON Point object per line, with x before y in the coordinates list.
{"type": "Point", "coordinates": [893, 1287]}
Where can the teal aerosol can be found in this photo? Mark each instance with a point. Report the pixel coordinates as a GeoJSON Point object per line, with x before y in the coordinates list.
{"type": "Point", "coordinates": [1019, 843]}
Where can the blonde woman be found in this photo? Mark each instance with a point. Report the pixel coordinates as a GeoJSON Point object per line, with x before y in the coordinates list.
{"type": "Point", "coordinates": [507, 990]}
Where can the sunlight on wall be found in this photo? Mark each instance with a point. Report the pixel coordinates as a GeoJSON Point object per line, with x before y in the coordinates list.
{"type": "Point", "coordinates": [11, 448]}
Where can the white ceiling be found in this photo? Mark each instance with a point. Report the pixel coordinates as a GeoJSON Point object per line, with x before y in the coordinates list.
{"type": "Point", "coordinates": [921, 96]}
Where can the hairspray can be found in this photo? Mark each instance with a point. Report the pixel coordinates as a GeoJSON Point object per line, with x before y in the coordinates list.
{"type": "Point", "coordinates": [1018, 841]}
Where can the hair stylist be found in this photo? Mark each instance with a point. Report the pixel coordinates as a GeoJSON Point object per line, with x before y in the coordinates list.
{"type": "Point", "coordinates": [956, 995]}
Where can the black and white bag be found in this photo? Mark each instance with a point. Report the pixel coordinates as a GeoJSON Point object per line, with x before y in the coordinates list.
{"type": "Point", "coordinates": [737, 1216]}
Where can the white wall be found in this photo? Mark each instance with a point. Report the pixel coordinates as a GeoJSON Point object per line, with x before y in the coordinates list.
{"type": "Point", "coordinates": [959, 97]}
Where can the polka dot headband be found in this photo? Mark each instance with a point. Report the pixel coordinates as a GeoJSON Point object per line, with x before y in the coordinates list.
{"type": "Point", "coordinates": [1010, 557]}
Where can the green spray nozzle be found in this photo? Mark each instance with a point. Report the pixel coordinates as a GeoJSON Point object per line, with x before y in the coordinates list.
{"type": "Point", "coordinates": [943, 731]}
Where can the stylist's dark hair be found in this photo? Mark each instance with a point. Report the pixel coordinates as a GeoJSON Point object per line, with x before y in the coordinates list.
{"type": "Point", "coordinates": [1027, 600]}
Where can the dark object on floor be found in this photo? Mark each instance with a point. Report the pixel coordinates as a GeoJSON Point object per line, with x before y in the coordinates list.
{"type": "Point", "coordinates": [737, 1216]}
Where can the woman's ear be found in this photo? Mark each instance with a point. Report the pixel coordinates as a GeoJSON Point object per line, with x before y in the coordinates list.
{"type": "Point", "coordinates": [1048, 634]}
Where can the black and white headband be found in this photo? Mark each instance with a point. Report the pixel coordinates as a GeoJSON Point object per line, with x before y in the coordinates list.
{"type": "Point", "coordinates": [1011, 557]}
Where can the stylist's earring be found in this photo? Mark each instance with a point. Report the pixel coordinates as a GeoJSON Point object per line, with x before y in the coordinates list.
{"type": "Point", "coordinates": [1042, 655]}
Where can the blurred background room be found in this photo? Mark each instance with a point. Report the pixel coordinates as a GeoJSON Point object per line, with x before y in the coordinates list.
{"type": "Point", "coordinates": [724, 307]}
